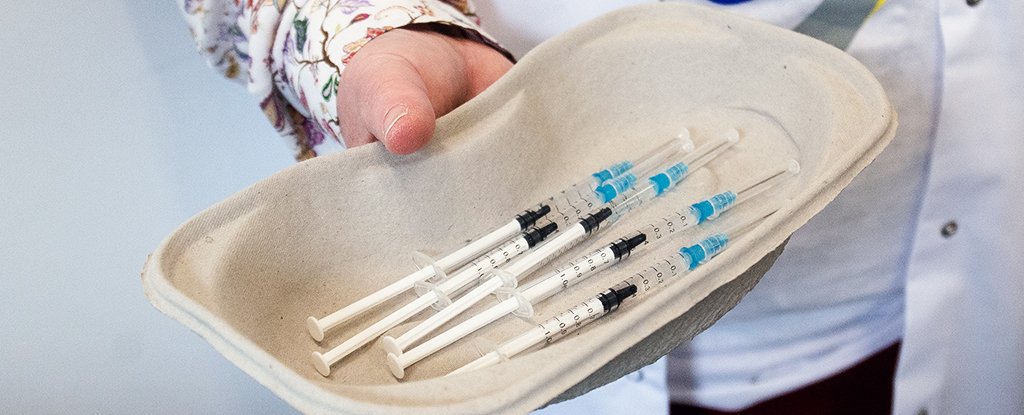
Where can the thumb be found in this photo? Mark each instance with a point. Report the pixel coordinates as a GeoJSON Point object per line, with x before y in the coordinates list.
{"type": "Point", "coordinates": [397, 107]}
{"type": "Point", "coordinates": [399, 83]}
{"type": "Point", "coordinates": [381, 97]}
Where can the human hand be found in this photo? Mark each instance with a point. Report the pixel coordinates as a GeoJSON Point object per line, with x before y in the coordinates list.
{"type": "Point", "coordinates": [401, 81]}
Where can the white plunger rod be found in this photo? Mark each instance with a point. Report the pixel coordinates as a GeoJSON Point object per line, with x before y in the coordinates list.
{"type": "Point", "coordinates": [318, 327]}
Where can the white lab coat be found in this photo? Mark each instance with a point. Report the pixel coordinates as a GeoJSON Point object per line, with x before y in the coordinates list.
{"type": "Point", "coordinates": [954, 72]}
{"type": "Point", "coordinates": [963, 349]}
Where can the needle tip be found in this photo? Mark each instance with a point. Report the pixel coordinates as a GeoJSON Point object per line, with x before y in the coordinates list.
{"type": "Point", "coordinates": [733, 136]}
{"type": "Point", "coordinates": [794, 166]}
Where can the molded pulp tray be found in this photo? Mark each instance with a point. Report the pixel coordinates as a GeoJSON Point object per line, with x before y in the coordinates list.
{"type": "Point", "coordinates": [245, 273]}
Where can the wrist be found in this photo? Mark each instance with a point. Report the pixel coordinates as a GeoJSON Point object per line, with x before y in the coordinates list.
{"type": "Point", "coordinates": [468, 42]}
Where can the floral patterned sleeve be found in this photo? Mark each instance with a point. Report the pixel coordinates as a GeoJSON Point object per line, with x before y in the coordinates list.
{"type": "Point", "coordinates": [290, 53]}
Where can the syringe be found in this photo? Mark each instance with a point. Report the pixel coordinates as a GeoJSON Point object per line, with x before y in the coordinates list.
{"type": "Point", "coordinates": [521, 302]}
{"type": "Point", "coordinates": [452, 261]}
{"type": "Point", "coordinates": [590, 263]}
{"type": "Point", "coordinates": [648, 161]}
{"type": "Point", "coordinates": [667, 178]}
{"type": "Point", "coordinates": [481, 266]}
{"type": "Point", "coordinates": [713, 206]}
{"type": "Point", "coordinates": [676, 223]}
{"type": "Point", "coordinates": [509, 276]}
{"type": "Point", "coordinates": [605, 302]}
{"type": "Point", "coordinates": [556, 327]}
{"type": "Point", "coordinates": [581, 198]}
{"type": "Point", "coordinates": [566, 205]}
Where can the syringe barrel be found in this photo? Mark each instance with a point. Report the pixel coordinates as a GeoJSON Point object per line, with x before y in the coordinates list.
{"type": "Point", "coordinates": [570, 204]}
{"type": "Point", "coordinates": [633, 200]}
{"type": "Point", "coordinates": [571, 320]}
{"type": "Point", "coordinates": [498, 257]}
{"type": "Point", "coordinates": [486, 242]}
{"type": "Point", "coordinates": [568, 321]}
{"type": "Point", "coordinates": [583, 267]}
{"type": "Point", "coordinates": [481, 266]}
{"type": "Point", "coordinates": [659, 274]}
{"type": "Point", "coordinates": [670, 225]}
{"type": "Point", "coordinates": [686, 218]}
{"type": "Point", "coordinates": [516, 270]}
{"type": "Point", "coordinates": [489, 241]}
{"type": "Point", "coordinates": [689, 257]}
{"type": "Point", "coordinates": [575, 271]}
{"type": "Point", "coordinates": [557, 327]}
{"type": "Point", "coordinates": [558, 245]}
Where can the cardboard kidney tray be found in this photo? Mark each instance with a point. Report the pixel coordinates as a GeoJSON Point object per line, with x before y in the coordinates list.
{"type": "Point", "coordinates": [245, 273]}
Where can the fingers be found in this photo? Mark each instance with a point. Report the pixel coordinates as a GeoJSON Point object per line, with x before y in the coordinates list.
{"type": "Point", "coordinates": [398, 84]}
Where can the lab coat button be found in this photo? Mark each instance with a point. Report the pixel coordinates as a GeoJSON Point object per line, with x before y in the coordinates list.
{"type": "Point", "coordinates": [973, 3]}
{"type": "Point", "coordinates": [922, 411]}
{"type": "Point", "coordinates": [949, 229]}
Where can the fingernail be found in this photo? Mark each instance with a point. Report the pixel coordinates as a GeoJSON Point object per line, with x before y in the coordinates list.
{"type": "Point", "coordinates": [391, 118]}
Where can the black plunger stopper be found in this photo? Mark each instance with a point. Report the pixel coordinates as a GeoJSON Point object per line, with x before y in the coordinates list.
{"type": "Point", "coordinates": [622, 247]}
{"type": "Point", "coordinates": [535, 235]}
{"type": "Point", "coordinates": [529, 217]}
{"type": "Point", "coordinates": [593, 221]}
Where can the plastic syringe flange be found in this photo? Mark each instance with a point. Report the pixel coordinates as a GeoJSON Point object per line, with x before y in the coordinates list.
{"type": "Point", "coordinates": [422, 260]}
{"type": "Point", "coordinates": [424, 287]}
{"type": "Point", "coordinates": [525, 309]}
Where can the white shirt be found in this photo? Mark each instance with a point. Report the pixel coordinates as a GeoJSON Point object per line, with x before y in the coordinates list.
{"type": "Point", "coordinates": [888, 271]}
